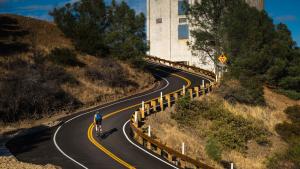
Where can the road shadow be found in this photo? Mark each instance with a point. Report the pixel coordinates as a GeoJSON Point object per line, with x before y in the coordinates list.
{"type": "Point", "coordinates": [29, 140]}
{"type": "Point", "coordinates": [106, 134]}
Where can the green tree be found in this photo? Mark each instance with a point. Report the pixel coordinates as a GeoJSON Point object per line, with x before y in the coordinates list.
{"type": "Point", "coordinates": [85, 23]}
{"type": "Point", "coordinates": [102, 30]}
{"type": "Point", "coordinates": [206, 19]}
{"type": "Point", "coordinates": [126, 32]}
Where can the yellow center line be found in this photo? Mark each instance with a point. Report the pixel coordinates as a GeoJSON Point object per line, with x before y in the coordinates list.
{"type": "Point", "coordinates": [106, 151]}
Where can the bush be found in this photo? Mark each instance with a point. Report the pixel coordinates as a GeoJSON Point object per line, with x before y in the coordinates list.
{"type": "Point", "coordinates": [289, 93]}
{"type": "Point", "coordinates": [64, 57]}
{"type": "Point", "coordinates": [231, 131]}
{"type": "Point", "coordinates": [290, 83]}
{"type": "Point", "coordinates": [234, 91]}
{"type": "Point", "coordinates": [213, 150]}
{"type": "Point", "coordinates": [293, 113]}
{"type": "Point", "coordinates": [290, 132]}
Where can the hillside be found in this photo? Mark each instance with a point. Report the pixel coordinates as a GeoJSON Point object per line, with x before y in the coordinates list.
{"type": "Point", "coordinates": [248, 136]}
{"type": "Point", "coordinates": [42, 75]}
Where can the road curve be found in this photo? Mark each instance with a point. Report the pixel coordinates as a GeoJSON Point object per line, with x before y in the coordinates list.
{"type": "Point", "coordinates": [75, 145]}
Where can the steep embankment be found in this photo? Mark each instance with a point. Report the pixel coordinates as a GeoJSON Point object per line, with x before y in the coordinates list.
{"type": "Point", "coordinates": [242, 134]}
{"type": "Point", "coordinates": [42, 75]}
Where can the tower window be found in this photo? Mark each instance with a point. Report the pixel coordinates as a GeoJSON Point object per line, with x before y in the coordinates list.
{"type": "Point", "coordinates": [159, 20]}
{"type": "Point", "coordinates": [182, 7]}
{"type": "Point", "coordinates": [182, 20]}
{"type": "Point", "coordinates": [183, 31]}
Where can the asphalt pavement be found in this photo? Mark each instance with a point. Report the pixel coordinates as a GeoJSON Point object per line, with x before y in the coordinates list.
{"type": "Point", "coordinates": [68, 145]}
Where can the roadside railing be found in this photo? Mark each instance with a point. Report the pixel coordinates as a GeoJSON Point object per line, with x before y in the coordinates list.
{"type": "Point", "coordinates": [205, 73]}
{"type": "Point", "coordinates": [144, 136]}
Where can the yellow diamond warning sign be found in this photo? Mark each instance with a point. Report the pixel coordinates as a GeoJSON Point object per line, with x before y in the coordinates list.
{"type": "Point", "coordinates": [222, 59]}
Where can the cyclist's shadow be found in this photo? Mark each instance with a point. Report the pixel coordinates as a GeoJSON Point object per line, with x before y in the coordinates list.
{"type": "Point", "coordinates": [105, 134]}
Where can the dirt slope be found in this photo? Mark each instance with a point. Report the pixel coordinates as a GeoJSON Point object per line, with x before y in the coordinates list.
{"type": "Point", "coordinates": [33, 86]}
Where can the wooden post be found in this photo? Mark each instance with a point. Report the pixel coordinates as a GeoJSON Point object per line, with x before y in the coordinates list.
{"type": "Point", "coordinates": [207, 87]}
{"type": "Point", "coordinates": [143, 106]}
{"type": "Point", "coordinates": [161, 101]}
{"type": "Point", "coordinates": [136, 118]}
{"type": "Point", "coordinates": [168, 97]}
{"type": "Point", "coordinates": [197, 91]}
{"type": "Point", "coordinates": [149, 131]}
{"type": "Point", "coordinates": [191, 93]}
{"type": "Point", "coordinates": [149, 145]}
{"type": "Point", "coordinates": [170, 157]}
{"type": "Point", "coordinates": [142, 113]}
{"type": "Point", "coordinates": [153, 104]}
{"type": "Point", "coordinates": [158, 151]}
{"type": "Point", "coordinates": [203, 90]}
{"type": "Point", "coordinates": [182, 163]}
{"type": "Point", "coordinates": [147, 107]}
{"type": "Point", "coordinates": [175, 96]}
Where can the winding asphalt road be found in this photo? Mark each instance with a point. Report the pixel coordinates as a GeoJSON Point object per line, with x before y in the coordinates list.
{"type": "Point", "coordinates": [71, 145]}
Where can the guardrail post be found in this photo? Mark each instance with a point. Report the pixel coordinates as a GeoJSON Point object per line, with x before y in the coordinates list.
{"type": "Point", "coordinates": [207, 86]}
{"type": "Point", "coordinates": [175, 96]}
{"type": "Point", "coordinates": [231, 165]}
{"type": "Point", "coordinates": [203, 90]}
{"type": "Point", "coordinates": [153, 104]}
{"type": "Point", "coordinates": [147, 107]}
{"type": "Point", "coordinates": [149, 131]}
{"type": "Point", "coordinates": [203, 83]}
{"type": "Point", "coordinates": [161, 102]}
{"type": "Point", "coordinates": [136, 118]}
{"type": "Point", "coordinates": [191, 93]}
{"type": "Point", "coordinates": [197, 91]}
{"type": "Point", "coordinates": [158, 151]}
{"type": "Point", "coordinates": [143, 110]}
{"type": "Point", "coordinates": [182, 163]}
{"type": "Point", "coordinates": [168, 97]}
{"type": "Point", "coordinates": [182, 148]}
{"type": "Point", "coordinates": [170, 157]}
{"type": "Point", "coordinates": [183, 90]}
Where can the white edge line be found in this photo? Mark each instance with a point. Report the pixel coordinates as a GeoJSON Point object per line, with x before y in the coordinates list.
{"type": "Point", "coordinates": [139, 147]}
{"type": "Point", "coordinates": [57, 130]}
{"type": "Point", "coordinates": [64, 152]}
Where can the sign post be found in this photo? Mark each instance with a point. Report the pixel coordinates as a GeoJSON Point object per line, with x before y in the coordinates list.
{"type": "Point", "coordinates": [223, 60]}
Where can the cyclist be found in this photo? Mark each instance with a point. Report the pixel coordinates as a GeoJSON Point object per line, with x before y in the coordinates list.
{"type": "Point", "coordinates": [98, 123]}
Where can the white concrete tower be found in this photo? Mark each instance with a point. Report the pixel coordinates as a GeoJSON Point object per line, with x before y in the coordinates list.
{"type": "Point", "coordinates": [168, 32]}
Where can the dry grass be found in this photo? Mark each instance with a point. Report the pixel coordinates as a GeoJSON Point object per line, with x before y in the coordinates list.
{"type": "Point", "coordinates": [12, 163]}
{"type": "Point", "coordinates": [39, 34]}
{"type": "Point", "coordinates": [170, 133]}
{"type": "Point", "coordinates": [31, 66]}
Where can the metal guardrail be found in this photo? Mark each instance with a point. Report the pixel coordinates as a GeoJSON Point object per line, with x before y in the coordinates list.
{"type": "Point", "coordinates": [159, 104]}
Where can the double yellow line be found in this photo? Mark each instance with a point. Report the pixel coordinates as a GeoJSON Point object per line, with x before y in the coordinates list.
{"type": "Point", "coordinates": [106, 151]}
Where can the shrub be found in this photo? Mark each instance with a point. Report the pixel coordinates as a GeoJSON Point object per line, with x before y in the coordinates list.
{"type": "Point", "coordinates": [231, 131]}
{"type": "Point", "coordinates": [293, 113]}
{"type": "Point", "coordinates": [290, 132]}
{"type": "Point", "coordinates": [289, 93]}
{"type": "Point", "coordinates": [213, 150]}
{"type": "Point", "coordinates": [64, 57]}
{"type": "Point", "coordinates": [291, 83]}
{"type": "Point", "coordinates": [250, 93]}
